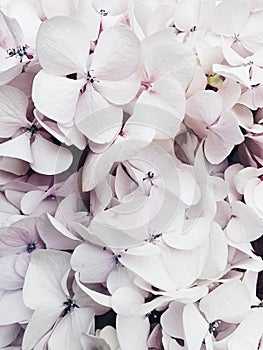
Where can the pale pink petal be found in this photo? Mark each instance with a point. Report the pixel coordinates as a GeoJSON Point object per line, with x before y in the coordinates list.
{"type": "Point", "coordinates": [93, 263]}
{"type": "Point", "coordinates": [194, 336]}
{"type": "Point", "coordinates": [208, 54]}
{"type": "Point", "coordinates": [56, 97]}
{"type": "Point", "coordinates": [186, 14]}
{"type": "Point", "coordinates": [48, 158]}
{"type": "Point", "coordinates": [69, 329]}
{"type": "Point", "coordinates": [22, 261]}
{"type": "Point", "coordinates": [223, 22]}
{"type": "Point", "coordinates": [59, 8]}
{"type": "Point", "coordinates": [251, 35]}
{"type": "Point", "coordinates": [43, 280]}
{"type": "Point", "coordinates": [100, 124]}
{"type": "Point", "coordinates": [31, 200]}
{"type": "Point", "coordinates": [244, 225]}
{"type": "Point", "coordinates": [154, 121]}
{"type": "Point", "coordinates": [249, 331]}
{"type": "Point", "coordinates": [54, 234]}
{"type": "Point", "coordinates": [126, 301]}
{"type": "Point", "coordinates": [239, 74]}
{"type": "Point", "coordinates": [132, 332]}
{"type": "Point", "coordinates": [119, 277]}
{"type": "Point", "coordinates": [90, 17]}
{"type": "Point", "coordinates": [118, 61]}
{"type": "Point", "coordinates": [19, 147]}
{"type": "Point", "coordinates": [99, 298]}
{"type": "Point", "coordinates": [204, 106]}
{"type": "Point", "coordinates": [230, 92]}
{"type": "Point", "coordinates": [119, 92]}
{"type": "Point", "coordinates": [190, 264]}
{"type": "Point", "coordinates": [92, 342]}
{"type": "Point", "coordinates": [100, 197]}
{"type": "Point", "coordinates": [230, 177]}
{"type": "Point", "coordinates": [150, 268]}
{"type": "Point", "coordinates": [13, 105]}
{"type": "Point", "coordinates": [194, 233]}
{"type": "Point", "coordinates": [9, 73]}
{"type": "Point", "coordinates": [222, 138]}
{"type": "Point", "coordinates": [9, 279]}
{"type": "Point", "coordinates": [11, 314]}
{"type": "Point", "coordinates": [167, 59]}
{"type": "Point", "coordinates": [40, 324]}
{"type": "Point", "coordinates": [63, 45]}
{"type": "Point", "coordinates": [217, 255]}
{"type": "Point", "coordinates": [223, 304]}
{"type": "Point", "coordinates": [108, 333]}
{"type": "Point", "coordinates": [166, 94]}
{"type": "Point", "coordinates": [8, 334]}
{"type": "Point", "coordinates": [171, 320]}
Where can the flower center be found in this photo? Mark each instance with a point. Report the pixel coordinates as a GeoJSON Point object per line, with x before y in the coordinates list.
{"type": "Point", "coordinates": [213, 326]}
{"type": "Point", "coordinates": [103, 12]}
{"type": "Point", "coordinates": [30, 247]}
{"type": "Point", "coordinates": [19, 51]}
{"type": "Point", "coordinates": [90, 77]}
{"type": "Point", "coordinates": [32, 129]}
{"type": "Point", "coordinates": [70, 305]}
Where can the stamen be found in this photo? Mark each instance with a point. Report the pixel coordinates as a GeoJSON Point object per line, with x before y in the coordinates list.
{"type": "Point", "coordinates": [70, 305]}
{"type": "Point", "coordinates": [213, 326]}
{"type": "Point", "coordinates": [19, 51]}
{"type": "Point", "coordinates": [103, 12]}
{"type": "Point", "coordinates": [150, 175]}
{"type": "Point", "coordinates": [32, 129]}
{"type": "Point", "coordinates": [30, 247]}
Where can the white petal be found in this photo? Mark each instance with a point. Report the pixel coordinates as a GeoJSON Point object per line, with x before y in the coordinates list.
{"type": "Point", "coordinates": [230, 302]}
{"type": "Point", "coordinates": [151, 119]}
{"type": "Point", "coordinates": [54, 234]}
{"type": "Point", "coordinates": [59, 8]}
{"type": "Point", "coordinates": [18, 147]}
{"type": "Point", "coordinates": [99, 298]}
{"type": "Point", "coordinates": [8, 334]}
{"type": "Point", "coordinates": [43, 279]}
{"type": "Point", "coordinates": [93, 263]}
{"type": "Point", "coordinates": [126, 301]}
{"type": "Point", "coordinates": [13, 105]}
{"type": "Point", "coordinates": [218, 253]}
{"type": "Point", "coordinates": [132, 332]}
{"type": "Point", "coordinates": [225, 133]}
{"type": "Point", "coordinates": [9, 314]}
{"type": "Point", "coordinates": [91, 342]}
{"type": "Point", "coordinates": [48, 158]}
{"type": "Point", "coordinates": [193, 234]}
{"type": "Point", "coordinates": [223, 22]}
{"type": "Point", "coordinates": [67, 332]}
{"type": "Point", "coordinates": [194, 336]}
{"type": "Point", "coordinates": [118, 60]}
{"type": "Point", "coordinates": [40, 324]}
{"type": "Point", "coordinates": [102, 124]}
{"type": "Point", "coordinates": [90, 17]}
{"type": "Point", "coordinates": [119, 92]}
{"type": "Point", "coordinates": [167, 59]}
{"type": "Point", "coordinates": [186, 15]}
{"type": "Point", "coordinates": [56, 97]}
{"type": "Point", "coordinates": [9, 278]}
{"type": "Point", "coordinates": [204, 106]}
{"type": "Point", "coordinates": [168, 96]}
{"type": "Point", "coordinates": [63, 45]}
{"type": "Point", "coordinates": [244, 225]}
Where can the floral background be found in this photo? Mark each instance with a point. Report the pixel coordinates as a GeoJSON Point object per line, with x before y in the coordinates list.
{"type": "Point", "coordinates": [131, 168]}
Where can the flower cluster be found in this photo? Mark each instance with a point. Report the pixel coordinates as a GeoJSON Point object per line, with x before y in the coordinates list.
{"type": "Point", "coordinates": [131, 145]}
